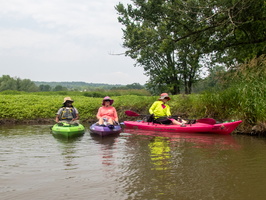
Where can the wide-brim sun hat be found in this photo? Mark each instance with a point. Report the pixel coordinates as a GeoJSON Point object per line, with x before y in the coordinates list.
{"type": "Point", "coordinates": [68, 99]}
{"type": "Point", "coordinates": [164, 96]}
{"type": "Point", "coordinates": [107, 99]}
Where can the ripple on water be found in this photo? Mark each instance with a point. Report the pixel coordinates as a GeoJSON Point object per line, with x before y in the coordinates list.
{"type": "Point", "coordinates": [36, 165]}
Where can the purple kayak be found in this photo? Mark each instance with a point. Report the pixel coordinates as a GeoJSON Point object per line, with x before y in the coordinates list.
{"type": "Point", "coordinates": [105, 130]}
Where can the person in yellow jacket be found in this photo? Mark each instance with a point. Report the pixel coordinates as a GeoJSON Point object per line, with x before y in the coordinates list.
{"type": "Point", "coordinates": [161, 111]}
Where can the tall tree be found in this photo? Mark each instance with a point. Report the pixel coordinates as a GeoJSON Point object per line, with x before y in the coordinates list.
{"type": "Point", "coordinates": [169, 38]}
{"type": "Point", "coordinates": [9, 83]}
{"type": "Point", "coordinates": [26, 85]}
{"type": "Point", "coordinates": [45, 87]}
{"type": "Point", "coordinates": [60, 88]}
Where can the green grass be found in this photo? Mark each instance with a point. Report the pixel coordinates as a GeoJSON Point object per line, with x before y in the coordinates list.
{"type": "Point", "coordinates": [243, 99]}
{"type": "Point", "coordinates": [234, 103]}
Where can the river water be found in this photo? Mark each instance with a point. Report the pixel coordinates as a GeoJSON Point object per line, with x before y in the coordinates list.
{"type": "Point", "coordinates": [132, 165]}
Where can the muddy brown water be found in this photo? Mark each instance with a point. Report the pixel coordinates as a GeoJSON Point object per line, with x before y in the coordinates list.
{"type": "Point", "coordinates": [132, 165]}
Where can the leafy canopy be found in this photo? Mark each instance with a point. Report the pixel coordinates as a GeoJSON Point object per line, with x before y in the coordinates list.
{"type": "Point", "coordinates": [171, 39]}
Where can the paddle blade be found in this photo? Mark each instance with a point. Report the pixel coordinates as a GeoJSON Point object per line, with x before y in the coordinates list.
{"type": "Point", "coordinates": [210, 121]}
{"type": "Point", "coordinates": [131, 113]}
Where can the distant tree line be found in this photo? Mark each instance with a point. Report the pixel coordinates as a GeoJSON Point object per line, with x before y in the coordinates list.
{"type": "Point", "coordinates": [47, 88]}
{"type": "Point", "coordinates": [10, 83]}
{"type": "Point", "coordinates": [129, 86]}
{"type": "Point", "coordinates": [83, 86]}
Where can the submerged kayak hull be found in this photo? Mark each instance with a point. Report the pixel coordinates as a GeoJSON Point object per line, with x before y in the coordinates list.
{"type": "Point", "coordinates": [68, 130]}
{"type": "Point", "coordinates": [222, 128]}
{"type": "Point", "coordinates": [105, 130]}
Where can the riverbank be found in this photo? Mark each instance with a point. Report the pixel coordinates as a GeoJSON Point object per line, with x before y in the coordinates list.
{"type": "Point", "coordinates": [41, 109]}
{"type": "Point", "coordinates": [257, 130]}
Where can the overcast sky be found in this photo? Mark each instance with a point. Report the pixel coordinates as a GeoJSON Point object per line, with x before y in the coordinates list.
{"type": "Point", "coordinates": [64, 40]}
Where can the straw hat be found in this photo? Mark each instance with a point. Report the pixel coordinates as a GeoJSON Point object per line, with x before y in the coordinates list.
{"type": "Point", "coordinates": [67, 99]}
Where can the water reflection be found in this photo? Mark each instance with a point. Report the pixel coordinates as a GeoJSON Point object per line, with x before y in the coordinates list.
{"type": "Point", "coordinates": [68, 148]}
{"type": "Point", "coordinates": [183, 166]}
{"type": "Point", "coordinates": [65, 140]}
{"type": "Point", "coordinates": [160, 153]}
{"type": "Point", "coordinates": [107, 147]}
{"type": "Point", "coordinates": [197, 140]}
{"type": "Point", "coordinates": [137, 165]}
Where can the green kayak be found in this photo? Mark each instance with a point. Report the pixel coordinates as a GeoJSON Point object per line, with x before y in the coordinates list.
{"type": "Point", "coordinates": [68, 130]}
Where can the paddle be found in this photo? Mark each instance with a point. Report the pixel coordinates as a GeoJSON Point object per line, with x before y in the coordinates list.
{"type": "Point", "coordinates": [210, 121]}
{"type": "Point", "coordinates": [132, 113]}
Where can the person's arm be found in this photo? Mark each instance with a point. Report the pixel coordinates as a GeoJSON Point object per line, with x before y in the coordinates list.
{"type": "Point", "coordinates": [99, 114]}
{"type": "Point", "coordinates": [58, 114]}
{"type": "Point", "coordinates": [168, 112]}
{"type": "Point", "coordinates": [77, 117]}
{"type": "Point", "coordinates": [77, 114]}
{"type": "Point", "coordinates": [152, 108]}
{"type": "Point", "coordinates": [57, 118]}
{"type": "Point", "coordinates": [115, 115]}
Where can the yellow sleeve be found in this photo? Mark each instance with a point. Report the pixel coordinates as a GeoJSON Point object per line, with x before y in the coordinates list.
{"type": "Point", "coordinates": [152, 108]}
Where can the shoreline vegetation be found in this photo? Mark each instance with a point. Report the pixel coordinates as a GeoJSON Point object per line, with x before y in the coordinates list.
{"type": "Point", "coordinates": [235, 94]}
{"type": "Point", "coordinates": [29, 108]}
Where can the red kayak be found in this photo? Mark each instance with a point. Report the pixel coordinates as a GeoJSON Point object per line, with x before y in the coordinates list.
{"type": "Point", "coordinates": [221, 128]}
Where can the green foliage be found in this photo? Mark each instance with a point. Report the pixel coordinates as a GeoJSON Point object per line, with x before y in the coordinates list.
{"type": "Point", "coordinates": [101, 93]}
{"type": "Point", "coordinates": [8, 83]}
{"type": "Point", "coordinates": [129, 86]}
{"type": "Point", "coordinates": [213, 81]}
{"type": "Point", "coordinates": [60, 88]}
{"type": "Point", "coordinates": [33, 107]}
{"type": "Point", "coordinates": [241, 94]}
{"type": "Point", "coordinates": [171, 39]}
{"type": "Point", "coordinates": [64, 88]}
{"type": "Point", "coordinates": [149, 39]}
{"type": "Point", "coordinates": [82, 86]}
{"type": "Point", "coordinates": [117, 92]}
{"type": "Point", "coordinates": [13, 92]}
{"type": "Point", "coordinates": [45, 88]}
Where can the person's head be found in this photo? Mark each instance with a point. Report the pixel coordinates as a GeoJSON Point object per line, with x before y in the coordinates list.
{"type": "Point", "coordinates": [164, 97]}
{"type": "Point", "coordinates": [107, 101]}
{"type": "Point", "coordinates": [68, 101]}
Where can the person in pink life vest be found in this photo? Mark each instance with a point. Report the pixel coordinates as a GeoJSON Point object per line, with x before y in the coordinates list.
{"type": "Point", "coordinates": [107, 114]}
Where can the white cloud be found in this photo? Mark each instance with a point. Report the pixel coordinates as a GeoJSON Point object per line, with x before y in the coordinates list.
{"type": "Point", "coordinates": [59, 34]}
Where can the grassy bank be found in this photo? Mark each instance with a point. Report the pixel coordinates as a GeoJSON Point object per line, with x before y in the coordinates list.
{"type": "Point", "coordinates": [22, 107]}
{"type": "Point", "coordinates": [230, 104]}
